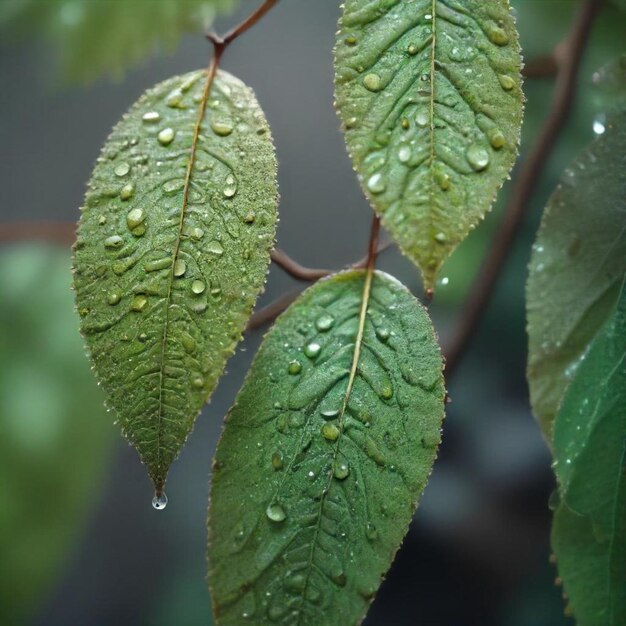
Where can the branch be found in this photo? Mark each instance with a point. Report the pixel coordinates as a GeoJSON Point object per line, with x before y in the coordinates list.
{"type": "Point", "coordinates": [293, 268]}
{"type": "Point", "coordinates": [569, 59]}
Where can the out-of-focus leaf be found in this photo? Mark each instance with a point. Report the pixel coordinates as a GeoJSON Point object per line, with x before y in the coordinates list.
{"type": "Point", "coordinates": [172, 250]}
{"type": "Point", "coordinates": [55, 431]}
{"type": "Point", "coordinates": [576, 268]}
{"type": "Point", "coordinates": [430, 97]}
{"type": "Point", "coordinates": [324, 455]}
{"type": "Point", "coordinates": [610, 92]}
{"type": "Point", "coordinates": [589, 534]}
{"type": "Point", "coordinates": [108, 36]}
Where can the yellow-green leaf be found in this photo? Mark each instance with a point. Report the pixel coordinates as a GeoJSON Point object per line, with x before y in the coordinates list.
{"type": "Point", "coordinates": [324, 455]}
{"type": "Point", "coordinates": [429, 93]}
{"type": "Point", "coordinates": [172, 250]}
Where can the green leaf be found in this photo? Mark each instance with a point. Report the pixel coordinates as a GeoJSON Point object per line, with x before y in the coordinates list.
{"type": "Point", "coordinates": [172, 250]}
{"type": "Point", "coordinates": [576, 268]}
{"type": "Point", "coordinates": [108, 36]}
{"type": "Point", "coordinates": [609, 93]}
{"type": "Point", "coordinates": [430, 97]}
{"type": "Point", "coordinates": [56, 435]}
{"type": "Point", "coordinates": [324, 455]}
{"type": "Point", "coordinates": [590, 453]}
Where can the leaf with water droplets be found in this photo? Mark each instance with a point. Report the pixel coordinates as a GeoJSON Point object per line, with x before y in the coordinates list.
{"type": "Point", "coordinates": [324, 455]}
{"type": "Point", "coordinates": [97, 37]}
{"type": "Point", "coordinates": [589, 533]}
{"type": "Point", "coordinates": [577, 265]}
{"type": "Point", "coordinates": [172, 250]}
{"type": "Point", "coordinates": [430, 97]}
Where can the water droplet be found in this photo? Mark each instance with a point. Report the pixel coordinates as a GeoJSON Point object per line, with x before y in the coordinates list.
{"type": "Point", "coordinates": [339, 577]}
{"type": "Point", "coordinates": [158, 264]}
{"type": "Point", "coordinates": [166, 136]}
{"type": "Point", "coordinates": [440, 238]}
{"type": "Point", "coordinates": [277, 460]}
{"type": "Point", "coordinates": [412, 49]}
{"type": "Point", "coordinates": [102, 220]}
{"type": "Point", "coordinates": [151, 117]}
{"type": "Point", "coordinates": [386, 393]}
{"type": "Point", "coordinates": [405, 123]}
{"type": "Point", "coordinates": [312, 350]}
{"type": "Point", "coordinates": [497, 139]}
{"type": "Point", "coordinates": [329, 414]}
{"type": "Point", "coordinates": [498, 36]}
{"type": "Point", "coordinates": [139, 303]}
{"type": "Point", "coordinates": [351, 122]}
{"type": "Point", "coordinates": [376, 183]}
{"type": "Point", "coordinates": [443, 180]}
{"type": "Point", "coordinates": [506, 82]}
{"type": "Point", "coordinates": [296, 582]}
{"type": "Point", "coordinates": [215, 247]}
{"type": "Point", "coordinates": [115, 241]}
{"type": "Point", "coordinates": [189, 343]}
{"type": "Point", "coordinates": [180, 267]}
{"type": "Point", "coordinates": [330, 431]}
{"type": "Point", "coordinates": [276, 513]}
{"type": "Point", "coordinates": [172, 187]}
{"type": "Point", "coordinates": [477, 157]}
{"type": "Point", "coordinates": [324, 322]}
{"type": "Point", "coordinates": [197, 382]}
{"type": "Point", "coordinates": [198, 287]}
{"type": "Point", "coordinates": [599, 125]}
{"type": "Point", "coordinates": [127, 191]}
{"type": "Point", "coordinates": [122, 169]}
{"type": "Point", "coordinates": [341, 471]}
{"type": "Point", "coordinates": [135, 218]}
{"type": "Point", "coordinates": [113, 298]}
{"type": "Point", "coordinates": [422, 118]}
{"type": "Point", "coordinates": [370, 531]}
{"type": "Point", "coordinates": [159, 502]}
{"type": "Point", "coordinates": [197, 233]}
{"type": "Point", "coordinates": [295, 367]}
{"type": "Point", "coordinates": [404, 154]}
{"type": "Point", "coordinates": [350, 40]}
{"type": "Point", "coordinates": [372, 82]}
{"type": "Point", "coordinates": [231, 189]}
{"type": "Point", "coordinates": [222, 128]}
{"type": "Point", "coordinates": [382, 334]}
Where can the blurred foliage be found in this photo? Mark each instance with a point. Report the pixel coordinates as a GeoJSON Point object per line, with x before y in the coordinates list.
{"type": "Point", "coordinates": [55, 431]}
{"type": "Point", "coordinates": [589, 534]}
{"type": "Point", "coordinates": [108, 36]}
{"type": "Point", "coordinates": [609, 95]}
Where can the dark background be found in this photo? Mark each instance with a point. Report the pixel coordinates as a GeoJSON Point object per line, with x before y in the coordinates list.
{"type": "Point", "coordinates": [477, 552]}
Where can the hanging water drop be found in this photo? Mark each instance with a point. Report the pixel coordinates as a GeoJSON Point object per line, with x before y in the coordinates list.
{"type": "Point", "coordinates": [127, 191]}
{"type": "Point", "coordinates": [497, 139]}
{"type": "Point", "coordinates": [180, 267]}
{"type": "Point", "coordinates": [341, 471]}
{"type": "Point", "coordinates": [231, 189]}
{"type": "Point", "coordinates": [506, 82]}
{"type": "Point", "coordinates": [159, 502]}
{"type": "Point", "coordinates": [295, 367]}
{"type": "Point", "coordinates": [404, 154]}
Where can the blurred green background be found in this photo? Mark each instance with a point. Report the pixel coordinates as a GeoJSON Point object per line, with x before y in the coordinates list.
{"type": "Point", "coordinates": [79, 541]}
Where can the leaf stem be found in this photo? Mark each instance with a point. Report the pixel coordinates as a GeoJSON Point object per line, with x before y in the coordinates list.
{"type": "Point", "coordinates": [569, 61]}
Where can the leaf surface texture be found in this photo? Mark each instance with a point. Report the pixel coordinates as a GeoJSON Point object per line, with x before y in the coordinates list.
{"type": "Point", "coordinates": [324, 455]}
{"type": "Point", "coordinates": [576, 268]}
{"type": "Point", "coordinates": [429, 92]}
{"type": "Point", "coordinates": [589, 534]}
{"type": "Point", "coordinates": [172, 249]}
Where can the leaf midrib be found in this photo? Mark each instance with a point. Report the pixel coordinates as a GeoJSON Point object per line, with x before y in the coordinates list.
{"type": "Point", "coordinates": [367, 289]}
{"type": "Point", "coordinates": [210, 77]}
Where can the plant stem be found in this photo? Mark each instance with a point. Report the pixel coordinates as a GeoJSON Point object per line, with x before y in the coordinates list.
{"type": "Point", "coordinates": [569, 61]}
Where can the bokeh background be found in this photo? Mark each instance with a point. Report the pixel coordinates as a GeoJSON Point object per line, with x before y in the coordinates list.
{"type": "Point", "coordinates": [79, 542]}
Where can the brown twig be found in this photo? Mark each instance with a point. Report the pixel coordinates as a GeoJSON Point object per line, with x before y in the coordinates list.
{"type": "Point", "coordinates": [542, 67]}
{"type": "Point", "coordinates": [54, 232]}
{"type": "Point", "coordinates": [293, 268]}
{"type": "Point", "coordinates": [564, 91]}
